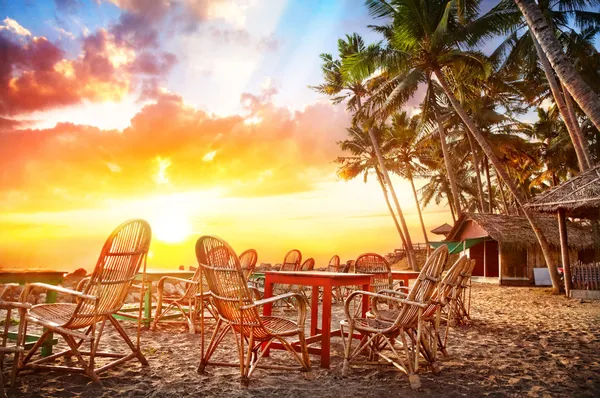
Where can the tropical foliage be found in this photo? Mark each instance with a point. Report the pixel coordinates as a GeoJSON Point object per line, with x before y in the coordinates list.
{"type": "Point", "coordinates": [512, 116]}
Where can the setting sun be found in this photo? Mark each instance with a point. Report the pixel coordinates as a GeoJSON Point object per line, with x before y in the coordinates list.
{"type": "Point", "coordinates": [172, 226]}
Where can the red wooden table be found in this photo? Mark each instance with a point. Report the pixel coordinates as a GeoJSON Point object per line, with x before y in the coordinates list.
{"type": "Point", "coordinates": [404, 276]}
{"type": "Point", "coordinates": [316, 279]}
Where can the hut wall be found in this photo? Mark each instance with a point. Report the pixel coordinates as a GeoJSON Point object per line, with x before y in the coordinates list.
{"type": "Point", "coordinates": [513, 266]}
{"type": "Point", "coordinates": [535, 258]}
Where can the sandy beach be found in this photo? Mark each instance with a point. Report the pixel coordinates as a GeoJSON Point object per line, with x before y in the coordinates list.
{"type": "Point", "coordinates": [521, 342]}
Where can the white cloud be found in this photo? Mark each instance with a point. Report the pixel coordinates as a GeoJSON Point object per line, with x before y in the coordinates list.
{"type": "Point", "coordinates": [14, 26]}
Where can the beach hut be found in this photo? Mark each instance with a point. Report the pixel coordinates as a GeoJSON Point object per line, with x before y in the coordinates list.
{"type": "Point", "coordinates": [443, 229]}
{"type": "Point", "coordinates": [579, 198]}
{"type": "Point", "coordinates": [506, 247]}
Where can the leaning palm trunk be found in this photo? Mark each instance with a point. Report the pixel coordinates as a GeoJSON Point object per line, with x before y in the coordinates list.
{"type": "Point", "coordinates": [448, 163]}
{"type": "Point", "coordinates": [486, 166]}
{"type": "Point", "coordinates": [582, 93]}
{"type": "Point", "coordinates": [389, 205]}
{"type": "Point", "coordinates": [501, 172]}
{"type": "Point", "coordinates": [566, 113]}
{"type": "Point", "coordinates": [583, 141]}
{"type": "Point", "coordinates": [504, 202]}
{"type": "Point", "coordinates": [412, 185]}
{"type": "Point", "coordinates": [477, 173]}
{"type": "Point", "coordinates": [409, 249]}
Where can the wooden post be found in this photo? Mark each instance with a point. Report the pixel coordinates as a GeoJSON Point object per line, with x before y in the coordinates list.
{"type": "Point", "coordinates": [484, 260]}
{"type": "Point", "coordinates": [564, 250]}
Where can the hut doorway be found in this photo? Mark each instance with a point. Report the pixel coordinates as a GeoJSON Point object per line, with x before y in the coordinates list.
{"type": "Point", "coordinates": [485, 255]}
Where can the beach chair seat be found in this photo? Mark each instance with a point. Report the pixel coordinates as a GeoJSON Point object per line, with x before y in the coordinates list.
{"type": "Point", "coordinates": [238, 314]}
{"type": "Point", "coordinates": [386, 339]}
{"type": "Point", "coordinates": [97, 299]}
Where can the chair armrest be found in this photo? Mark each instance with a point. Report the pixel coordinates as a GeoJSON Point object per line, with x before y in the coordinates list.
{"type": "Point", "coordinates": [12, 304]}
{"type": "Point", "coordinates": [272, 299]}
{"type": "Point", "coordinates": [82, 283]}
{"type": "Point", "coordinates": [300, 299]}
{"type": "Point", "coordinates": [374, 297]}
{"type": "Point", "coordinates": [162, 281]}
{"type": "Point", "coordinates": [394, 292]}
{"type": "Point", "coordinates": [58, 289]}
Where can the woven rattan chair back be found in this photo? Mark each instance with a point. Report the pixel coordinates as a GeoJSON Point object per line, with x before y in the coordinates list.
{"type": "Point", "coordinates": [371, 263]}
{"type": "Point", "coordinates": [227, 284]}
{"type": "Point", "coordinates": [292, 261]}
{"type": "Point", "coordinates": [449, 282]}
{"type": "Point", "coordinates": [248, 261]}
{"type": "Point", "coordinates": [120, 260]}
{"type": "Point", "coordinates": [334, 264]}
{"type": "Point", "coordinates": [424, 286]}
{"type": "Point", "coordinates": [308, 265]}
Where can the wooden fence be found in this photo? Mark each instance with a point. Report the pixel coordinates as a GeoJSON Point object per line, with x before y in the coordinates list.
{"type": "Point", "coordinates": [586, 276]}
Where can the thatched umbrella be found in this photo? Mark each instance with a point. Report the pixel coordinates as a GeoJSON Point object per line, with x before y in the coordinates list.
{"type": "Point", "coordinates": [578, 197]}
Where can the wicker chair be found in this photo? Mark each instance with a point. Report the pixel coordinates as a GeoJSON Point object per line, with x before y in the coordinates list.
{"type": "Point", "coordinates": [462, 315]}
{"type": "Point", "coordinates": [15, 349]}
{"type": "Point", "coordinates": [238, 312]}
{"type": "Point", "coordinates": [443, 302]}
{"type": "Point", "coordinates": [291, 262]}
{"type": "Point", "coordinates": [334, 264]}
{"type": "Point", "coordinates": [97, 299]}
{"type": "Point", "coordinates": [185, 304]}
{"type": "Point", "coordinates": [376, 265]}
{"type": "Point", "coordinates": [379, 334]}
{"type": "Point", "coordinates": [308, 265]}
{"type": "Point", "coordinates": [371, 263]}
{"type": "Point", "coordinates": [248, 261]}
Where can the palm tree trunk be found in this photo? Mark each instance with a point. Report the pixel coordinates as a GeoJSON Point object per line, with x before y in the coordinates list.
{"type": "Point", "coordinates": [477, 173]}
{"type": "Point", "coordinates": [504, 202]}
{"type": "Point", "coordinates": [449, 169]}
{"type": "Point", "coordinates": [410, 255]}
{"type": "Point", "coordinates": [452, 212]}
{"type": "Point", "coordinates": [501, 172]}
{"type": "Point", "coordinates": [486, 167]}
{"type": "Point", "coordinates": [582, 93]}
{"type": "Point", "coordinates": [583, 141]}
{"type": "Point", "coordinates": [412, 185]}
{"type": "Point", "coordinates": [568, 117]}
{"type": "Point", "coordinates": [389, 205]}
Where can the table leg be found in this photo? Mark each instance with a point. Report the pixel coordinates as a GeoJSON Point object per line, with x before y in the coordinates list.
{"type": "Point", "coordinates": [267, 308]}
{"type": "Point", "coordinates": [365, 300]}
{"type": "Point", "coordinates": [326, 326]}
{"type": "Point", "coordinates": [148, 304]}
{"type": "Point", "coordinates": [314, 310]}
{"type": "Point", "coordinates": [47, 346]}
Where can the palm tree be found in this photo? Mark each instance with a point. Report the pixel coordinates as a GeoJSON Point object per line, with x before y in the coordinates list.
{"type": "Point", "coordinates": [424, 41]}
{"type": "Point", "coordinates": [362, 161]}
{"type": "Point", "coordinates": [581, 92]}
{"type": "Point", "coordinates": [506, 17]}
{"type": "Point", "coordinates": [351, 88]}
{"type": "Point", "coordinates": [408, 150]}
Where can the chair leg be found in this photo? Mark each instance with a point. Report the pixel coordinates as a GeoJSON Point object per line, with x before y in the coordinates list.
{"type": "Point", "coordinates": [35, 347]}
{"type": "Point", "coordinates": [347, 349]}
{"type": "Point", "coordinates": [134, 349]}
{"type": "Point", "coordinates": [86, 367]}
{"type": "Point", "coordinates": [305, 357]}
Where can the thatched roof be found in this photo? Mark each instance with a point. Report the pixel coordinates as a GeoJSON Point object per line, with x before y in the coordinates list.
{"type": "Point", "coordinates": [515, 231]}
{"type": "Point", "coordinates": [443, 229]}
{"type": "Point", "coordinates": [579, 196]}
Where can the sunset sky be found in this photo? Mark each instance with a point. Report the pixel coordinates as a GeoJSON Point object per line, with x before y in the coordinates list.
{"type": "Point", "coordinates": [192, 114]}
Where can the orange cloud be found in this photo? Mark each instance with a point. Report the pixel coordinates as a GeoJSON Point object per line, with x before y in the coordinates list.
{"type": "Point", "coordinates": [170, 147]}
{"type": "Point", "coordinates": [35, 75]}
